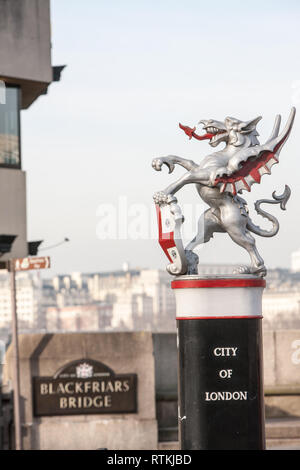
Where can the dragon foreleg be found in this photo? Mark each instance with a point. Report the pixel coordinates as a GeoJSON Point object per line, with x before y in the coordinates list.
{"type": "Point", "coordinates": [282, 200]}
{"type": "Point", "coordinates": [171, 161]}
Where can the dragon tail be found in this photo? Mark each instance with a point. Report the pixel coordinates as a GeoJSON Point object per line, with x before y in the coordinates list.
{"type": "Point", "coordinates": [282, 200]}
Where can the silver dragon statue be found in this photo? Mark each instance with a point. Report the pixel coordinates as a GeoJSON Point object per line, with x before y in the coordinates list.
{"type": "Point", "coordinates": [219, 179]}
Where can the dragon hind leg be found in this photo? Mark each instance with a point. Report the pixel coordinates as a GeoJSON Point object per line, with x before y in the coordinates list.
{"type": "Point", "coordinates": [208, 224]}
{"type": "Point", "coordinates": [245, 240]}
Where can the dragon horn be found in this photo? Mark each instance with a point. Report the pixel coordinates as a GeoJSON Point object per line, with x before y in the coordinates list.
{"type": "Point", "coordinates": [276, 128]}
{"type": "Point", "coordinates": [279, 140]}
{"type": "Point", "coordinates": [289, 123]}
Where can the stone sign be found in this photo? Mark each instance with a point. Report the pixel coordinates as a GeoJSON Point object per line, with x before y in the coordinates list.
{"type": "Point", "coordinates": [84, 386]}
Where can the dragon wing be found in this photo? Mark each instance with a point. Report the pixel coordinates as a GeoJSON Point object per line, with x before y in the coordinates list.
{"type": "Point", "coordinates": [257, 161]}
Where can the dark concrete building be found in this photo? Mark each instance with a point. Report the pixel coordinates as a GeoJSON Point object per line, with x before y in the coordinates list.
{"type": "Point", "coordinates": [25, 73]}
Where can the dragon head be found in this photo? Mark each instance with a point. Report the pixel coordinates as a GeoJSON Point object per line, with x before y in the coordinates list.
{"type": "Point", "coordinates": [232, 131]}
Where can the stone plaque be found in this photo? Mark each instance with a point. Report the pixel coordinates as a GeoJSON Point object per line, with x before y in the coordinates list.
{"type": "Point", "coordinates": [85, 386]}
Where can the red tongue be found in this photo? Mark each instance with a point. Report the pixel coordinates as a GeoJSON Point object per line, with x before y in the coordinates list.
{"type": "Point", "coordinates": [205, 136]}
{"type": "Point", "coordinates": [191, 133]}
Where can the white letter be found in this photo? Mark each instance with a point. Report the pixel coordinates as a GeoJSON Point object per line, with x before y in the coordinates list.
{"type": "Point", "coordinates": [44, 389]}
{"type": "Point", "coordinates": [63, 402]}
{"type": "Point", "coordinates": [107, 227]}
{"type": "Point", "coordinates": [244, 395]}
{"type": "Point", "coordinates": [216, 353]}
{"type": "Point", "coordinates": [138, 227]}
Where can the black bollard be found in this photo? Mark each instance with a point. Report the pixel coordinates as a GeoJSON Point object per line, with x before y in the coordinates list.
{"type": "Point", "coordinates": [221, 399]}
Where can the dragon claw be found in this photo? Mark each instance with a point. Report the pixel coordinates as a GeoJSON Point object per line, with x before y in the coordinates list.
{"type": "Point", "coordinates": [242, 270]}
{"type": "Point", "coordinates": [171, 166]}
{"type": "Point", "coordinates": [157, 164]}
{"type": "Point", "coordinates": [160, 198]}
{"type": "Point", "coordinates": [258, 270]}
{"type": "Point", "coordinates": [163, 198]}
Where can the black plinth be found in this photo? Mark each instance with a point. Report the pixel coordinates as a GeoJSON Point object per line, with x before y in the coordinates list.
{"type": "Point", "coordinates": [221, 400]}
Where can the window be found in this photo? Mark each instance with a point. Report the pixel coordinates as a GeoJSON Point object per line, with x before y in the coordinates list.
{"type": "Point", "coordinates": [10, 155]}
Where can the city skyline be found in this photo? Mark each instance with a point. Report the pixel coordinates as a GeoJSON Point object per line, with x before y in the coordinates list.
{"type": "Point", "coordinates": [125, 300]}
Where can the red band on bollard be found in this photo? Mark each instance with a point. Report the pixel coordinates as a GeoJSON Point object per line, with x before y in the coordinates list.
{"type": "Point", "coordinates": [221, 317]}
{"type": "Point", "coordinates": [214, 283]}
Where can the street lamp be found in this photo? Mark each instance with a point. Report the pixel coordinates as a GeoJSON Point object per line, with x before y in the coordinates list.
{"type": "Point", "coordinates": [65, 240]}
{"type": "Point", "coordinates": [33, 247]}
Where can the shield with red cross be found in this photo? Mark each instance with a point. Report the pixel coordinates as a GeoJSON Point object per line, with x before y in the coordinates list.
{"type": "Point", "coordinates": [170, 219]}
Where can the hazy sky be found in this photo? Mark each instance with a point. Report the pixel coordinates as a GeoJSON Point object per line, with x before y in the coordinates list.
{"type": "Point", "coordinates": [134, 70]}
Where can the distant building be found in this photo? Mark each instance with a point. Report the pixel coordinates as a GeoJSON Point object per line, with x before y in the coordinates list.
{"type": "Point", "coordinates": [79, 318]}
{"type": "Point", "coordinates": [29, 290]}
{"type": "Point", "coordinates": [281, 299]}
{"type": "Point", "coordinates": [281, 309]}
{"type": "Point", "coordinates": [216, 269]}
{"type": "Point", "coordinates": [126, 300]}
{"type": "Point", "coordinates": [295, 262]}
{"type": "Point", "coordinates": [136, 299]}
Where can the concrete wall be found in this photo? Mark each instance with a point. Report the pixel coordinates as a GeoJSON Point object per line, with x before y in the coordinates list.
{"type": "Point", "coordinates": [282, 372]}
{"type": "Point", "coordinates": [43, 355]}
{"type": "Point", "coordinates": [25, 52]}
{"type": "Point", "coordinates": [13, 210]}
{"type": "Point", "coordinates": [25, 39]}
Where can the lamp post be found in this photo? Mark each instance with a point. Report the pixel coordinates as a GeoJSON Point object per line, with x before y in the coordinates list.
{"type": "Point", "coordinates": [16, 363]}
{"type": "Point", "coordinates": [6, 242]}
{"type": "Point", "coordinates": [13, 265]}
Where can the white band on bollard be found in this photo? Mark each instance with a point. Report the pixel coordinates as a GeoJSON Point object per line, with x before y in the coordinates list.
{"type": "Point", "coordinates": [218, 297]}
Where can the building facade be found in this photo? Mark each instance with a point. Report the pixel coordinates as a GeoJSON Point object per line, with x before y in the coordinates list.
{"type": "Point", "coordinates": [25, 74]}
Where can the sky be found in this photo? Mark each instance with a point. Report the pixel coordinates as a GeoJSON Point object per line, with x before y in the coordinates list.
{"type": "Point", "coordinates": [134, 70]}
